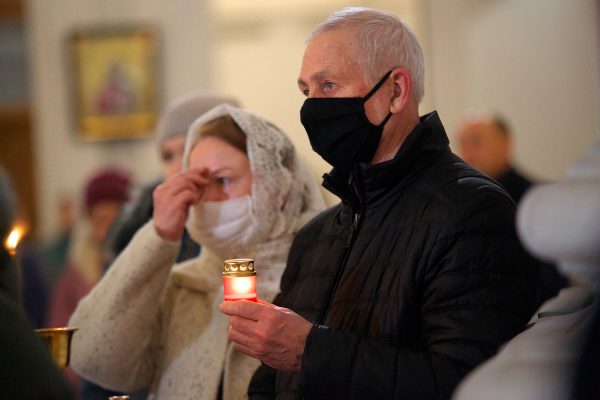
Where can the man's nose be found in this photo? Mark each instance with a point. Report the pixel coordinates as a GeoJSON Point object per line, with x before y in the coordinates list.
{"type": "Point", "coordinates": [315, 95]}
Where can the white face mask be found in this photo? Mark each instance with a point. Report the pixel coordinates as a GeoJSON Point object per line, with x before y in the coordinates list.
{"type": "Point", "coordinates": [222, 224]}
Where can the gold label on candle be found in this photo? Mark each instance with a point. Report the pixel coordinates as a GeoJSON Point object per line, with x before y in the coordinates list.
{"type": "Point", "coordinates": [239, 267]}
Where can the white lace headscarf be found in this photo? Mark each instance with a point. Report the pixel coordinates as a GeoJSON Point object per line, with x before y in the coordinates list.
{"type": "Point", "coordinates": [284, 194]}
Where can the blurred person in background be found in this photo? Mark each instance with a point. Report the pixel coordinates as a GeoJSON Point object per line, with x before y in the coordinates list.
{"type": "Point", "coordinates": [104, 195]}
{"type": "Point", "coordinates": [153, 322]}
{"type": "Point", "coordinates": [33, 283]}
{"type": "Point", "coordinates": [35, 288]}
{"type": "Point", "coordinates": [26, 369]}
{"type": "Point", "coordinates": [56, 250]}
{"type": "Point", "coordinates": [485, 142]}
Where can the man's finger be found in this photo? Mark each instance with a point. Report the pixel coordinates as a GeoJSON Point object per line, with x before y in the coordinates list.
{"type": "Point", "coordinates": [246, 350]}
{"type": "Point", "coordinates": [265, 303]}
{"type": "Point", "coordinates": [251, 343]}
{"type": "Point", "coordinates": [241, 337]}
{"type": "Point", "coordinates": [244, 326]}
{"type": "Point", "coordinates": [243, 308]}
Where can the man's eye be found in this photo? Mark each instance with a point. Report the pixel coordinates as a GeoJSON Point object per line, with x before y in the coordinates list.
{"type": "Point", "coordinates": [329, 85]}
{"type": "Point", "coordinates": [306, 92]}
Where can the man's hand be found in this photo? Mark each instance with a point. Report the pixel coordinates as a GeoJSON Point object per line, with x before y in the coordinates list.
{"type": "Point", "coordinates": [274, 335]}
{"type": "Point", "coordinates": [172, 200]}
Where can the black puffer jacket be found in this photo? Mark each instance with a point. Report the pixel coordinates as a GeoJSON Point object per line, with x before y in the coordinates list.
{"type": "Point", "coordinates": [412, 281]}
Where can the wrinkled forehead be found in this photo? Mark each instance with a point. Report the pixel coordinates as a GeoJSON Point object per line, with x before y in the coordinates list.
{"type": "Point", "coordinates": [332, 51]}
{"type": "Point", "coordinates": [342, 39]}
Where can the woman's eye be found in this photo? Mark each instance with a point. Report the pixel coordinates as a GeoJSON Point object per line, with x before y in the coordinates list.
{"type": "Point", "coordinates": [329, 85]}
{"type": "Point", "coordinates": [223, 180]}
{"type": "Point", "coordinates": [306, 92]}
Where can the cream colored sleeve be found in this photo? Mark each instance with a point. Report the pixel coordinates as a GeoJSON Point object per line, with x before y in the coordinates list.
{"type": "Point", "coordinates": [119, 321]}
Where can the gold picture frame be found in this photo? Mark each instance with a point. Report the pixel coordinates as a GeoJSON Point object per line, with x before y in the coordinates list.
{"type": "Point", "coordinates": [115, 82]}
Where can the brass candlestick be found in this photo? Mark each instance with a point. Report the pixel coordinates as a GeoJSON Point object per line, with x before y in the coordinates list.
{"type": "Point", "coordinates": [58, 342]}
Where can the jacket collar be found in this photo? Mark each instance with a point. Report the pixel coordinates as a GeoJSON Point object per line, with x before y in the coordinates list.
{"type": "Point", "coordinates": [426, 142]}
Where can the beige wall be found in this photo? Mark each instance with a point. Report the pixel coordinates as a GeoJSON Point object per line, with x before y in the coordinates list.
{"type": "Point", "coordinates": [62, 161]}
{"type": "Point", "coordinates": [534, 60]}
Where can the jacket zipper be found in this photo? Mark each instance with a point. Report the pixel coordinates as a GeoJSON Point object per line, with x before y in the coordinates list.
{"type": "Point", "coordinates": [356, 215]}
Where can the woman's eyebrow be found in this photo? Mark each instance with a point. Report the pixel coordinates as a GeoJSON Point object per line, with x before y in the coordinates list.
{"type": "Point", "coordinates": [218, 171]}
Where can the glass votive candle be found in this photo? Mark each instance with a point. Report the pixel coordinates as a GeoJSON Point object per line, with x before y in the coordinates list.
{"type": "Point", "coordinates": [239, 279]}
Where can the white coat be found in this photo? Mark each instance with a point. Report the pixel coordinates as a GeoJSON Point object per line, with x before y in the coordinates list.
{"type": "Point", "coordinates": [150, 323]}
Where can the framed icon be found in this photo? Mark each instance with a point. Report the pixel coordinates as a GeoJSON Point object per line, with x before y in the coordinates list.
{"type": "Point", "coordinates": [114, 82]}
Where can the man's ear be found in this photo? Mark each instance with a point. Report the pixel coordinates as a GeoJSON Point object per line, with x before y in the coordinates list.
{"type": "Point", "coordinates": [402, 87]}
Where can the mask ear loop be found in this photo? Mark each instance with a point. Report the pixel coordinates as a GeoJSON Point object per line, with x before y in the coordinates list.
{"type": "Point", "coordinates": [372, 92]}
{"type": "Point", "coordinates": [377, 86]}
{"type": "Point", "coordinates": [385, 119]}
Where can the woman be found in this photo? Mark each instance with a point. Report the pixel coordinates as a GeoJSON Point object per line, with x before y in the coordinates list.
{"type": "Point", "coordinates": [106, 192]}
{"type": "Point", "coordinates": [171, 134]}
{"type": "Point", "coordinates": [244, 193]}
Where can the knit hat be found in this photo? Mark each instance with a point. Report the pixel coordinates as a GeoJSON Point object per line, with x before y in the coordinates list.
{"type": "Point", "coordinates": [108, 184]}
{"type": "Point", "coordinates": [184, 110]}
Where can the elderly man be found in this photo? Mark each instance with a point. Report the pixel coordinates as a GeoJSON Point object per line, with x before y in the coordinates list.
{"type": "Point", "coordinates": [485, 142]}
{"type": "Point", "coordinates": [417, 276]}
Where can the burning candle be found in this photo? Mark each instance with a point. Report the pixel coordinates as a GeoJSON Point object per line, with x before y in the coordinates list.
{"type": "Point", "coordinates": [239, 279]}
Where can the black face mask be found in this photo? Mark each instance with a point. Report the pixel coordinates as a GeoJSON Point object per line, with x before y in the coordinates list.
{"type": "Point", "coordinates": [339, 130]}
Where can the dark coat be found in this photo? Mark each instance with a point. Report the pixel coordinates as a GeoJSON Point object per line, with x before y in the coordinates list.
{"type": "Point", "coordinates": [514, 183]}
{"type": "Point", "coordinates": [26, 369]}
{"type": "Point", "coordinates": [551, 281]}
{"type": "Point", "coordinates": [416, 278]}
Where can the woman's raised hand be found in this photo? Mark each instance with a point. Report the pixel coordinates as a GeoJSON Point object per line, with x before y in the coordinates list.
{"type": "Point", "coordinates": [172, 200]}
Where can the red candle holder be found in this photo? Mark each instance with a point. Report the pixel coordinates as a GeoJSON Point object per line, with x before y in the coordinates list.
{"type": "Point", "coordinates": [239, 279]}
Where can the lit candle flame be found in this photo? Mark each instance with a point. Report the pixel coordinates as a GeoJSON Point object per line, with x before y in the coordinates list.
{"type": "Point", "coordinates": [13, 238]}
{"type": "Point", "coordinates": [243, 285]}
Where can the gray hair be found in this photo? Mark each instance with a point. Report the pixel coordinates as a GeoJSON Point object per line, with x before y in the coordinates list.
{"type": "Point", "coordinates": [385, 40]}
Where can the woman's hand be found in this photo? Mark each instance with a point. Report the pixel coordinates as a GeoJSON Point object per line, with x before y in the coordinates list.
{"type": "Point", "coordinates": [172, 200]}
